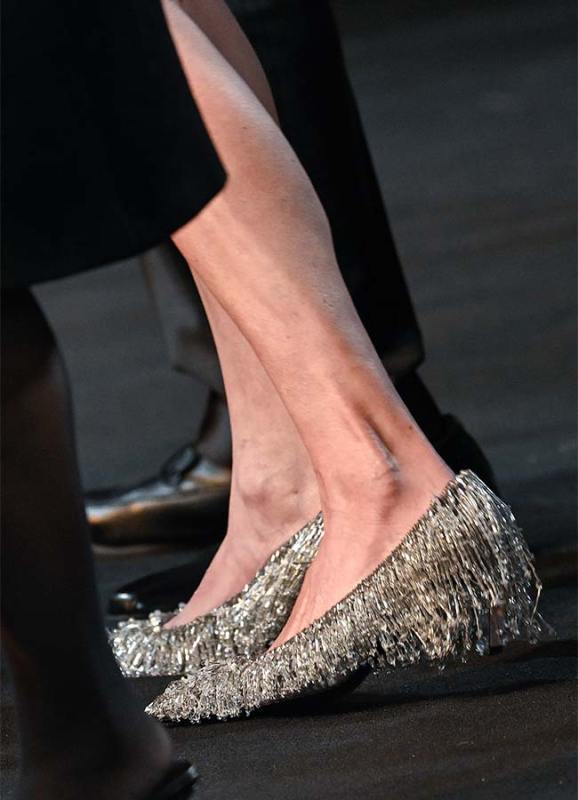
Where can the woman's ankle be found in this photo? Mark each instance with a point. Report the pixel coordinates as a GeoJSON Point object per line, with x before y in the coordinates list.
{"type": "Point", "coordinates": [271, 495]}
{"type": "Point", "coordinates": [378, 478]}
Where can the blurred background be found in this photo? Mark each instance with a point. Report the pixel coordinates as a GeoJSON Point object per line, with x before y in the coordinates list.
{"type": "Point", "coordinates": [470, 110]}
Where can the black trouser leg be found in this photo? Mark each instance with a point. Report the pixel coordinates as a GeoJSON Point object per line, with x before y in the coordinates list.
{"type": "Point", "coordinates": [72, 701]}
{"type": "Point", "coordinates": [190, 343]}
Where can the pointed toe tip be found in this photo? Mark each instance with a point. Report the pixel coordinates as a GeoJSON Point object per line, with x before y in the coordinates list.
{"type": "Point", "coordinates": [169, 706]}
{"type": "Point", "coordinates": [157, 708]}
{"type": "Point", "coordinates": [152, 709]}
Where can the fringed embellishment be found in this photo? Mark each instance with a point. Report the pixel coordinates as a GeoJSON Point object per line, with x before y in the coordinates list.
{"type": "Point", "coordinates": [242, 627]}
{"type": "Point", "coordinates": [430, 600]}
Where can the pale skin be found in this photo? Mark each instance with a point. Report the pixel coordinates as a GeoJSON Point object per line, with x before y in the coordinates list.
{"type": "Point", "coordinates": [316, 421]}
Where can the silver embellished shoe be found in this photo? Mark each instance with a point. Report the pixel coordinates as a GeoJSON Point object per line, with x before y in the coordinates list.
{"type": "Point", "coordinates": [461, 580]}
{"type": "Point", "coordinates": [242, 627]}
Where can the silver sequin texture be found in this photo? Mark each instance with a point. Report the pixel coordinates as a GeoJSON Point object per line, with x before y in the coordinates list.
{"type": "Point", "coordinates": [429, 600]}
{"type": "Point", "coordinates": [243, 627]}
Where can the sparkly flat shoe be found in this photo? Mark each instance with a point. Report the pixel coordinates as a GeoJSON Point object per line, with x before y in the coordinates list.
{"type": "Point", "coordinates": [462, 570]}
{"type": "Point", "coordinates": [242, 627]}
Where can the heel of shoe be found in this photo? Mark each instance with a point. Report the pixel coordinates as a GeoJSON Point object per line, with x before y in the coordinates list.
{"type": "Point", "coordinates": [492, 636]}
{"type": "Point", "coordinates": [475, 589]}
{"type": "Point", "coordinates": [497, 633]}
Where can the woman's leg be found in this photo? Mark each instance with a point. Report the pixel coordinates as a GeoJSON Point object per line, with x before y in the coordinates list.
{"type": "Point", "coordinates": [273, 489]}
{"type": "Point", "coordinates": [82, 733]}
{"type": "Point", "coordinates": [263, 248]}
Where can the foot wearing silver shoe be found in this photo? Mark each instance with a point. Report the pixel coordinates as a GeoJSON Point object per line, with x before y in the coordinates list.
{"type": "Point", "coordinates": [429, 600]}
{"type": "Point", "coordinates": [244, 626]}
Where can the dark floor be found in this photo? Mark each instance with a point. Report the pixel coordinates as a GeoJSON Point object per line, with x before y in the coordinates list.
{"type": "Point", "coordinates": [471, 117]}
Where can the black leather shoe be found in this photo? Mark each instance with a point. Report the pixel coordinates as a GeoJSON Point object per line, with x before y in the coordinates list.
{"type": "Point", "coordinates": [162, 591]}
{"type": "Point", "coordinates": [186, 502]}
{"type": "Point", "coordinates": [165, 590]}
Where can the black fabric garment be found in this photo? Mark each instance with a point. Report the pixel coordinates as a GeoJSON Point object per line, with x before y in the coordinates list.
{"type": "Point", "coordinates": [186, 330]}
{"type": "Point", "coordinates": [104, 151]}
{"type": "Point", "coordinates": [82, 733]}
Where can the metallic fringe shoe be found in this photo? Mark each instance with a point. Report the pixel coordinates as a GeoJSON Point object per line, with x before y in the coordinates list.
{"type": "Point", "coordinates": [242, 627]}
{"type": "Point", "coordinates": [463, 568]}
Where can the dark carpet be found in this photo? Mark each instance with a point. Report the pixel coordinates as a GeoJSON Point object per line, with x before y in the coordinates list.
{"type": "Point", "coordinates": [471, 115]}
